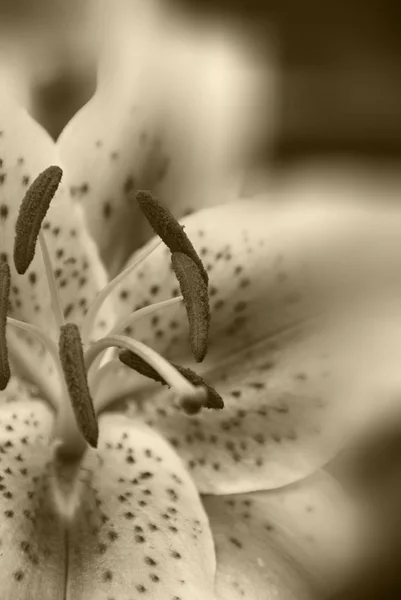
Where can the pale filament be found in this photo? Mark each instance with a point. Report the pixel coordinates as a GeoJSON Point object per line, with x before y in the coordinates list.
{"type": "Point", "coordinates": [94, 308]}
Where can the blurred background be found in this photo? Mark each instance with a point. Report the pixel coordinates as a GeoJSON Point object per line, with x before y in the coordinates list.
{"type": "Point", "coordinates": [337, 66]}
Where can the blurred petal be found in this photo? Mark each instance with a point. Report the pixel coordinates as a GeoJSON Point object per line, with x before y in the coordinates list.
{"type": "Point", "coordinates": [141, 527]}
{"type": "Point", "coordinates": [32, 537]}
{"type": "Point", "coordinates": [179, 130]}
{"type": "Point", "coordinates": [106, 166]}
{"type": "Point", "coordinates": [298, 542]}
{"type": "Point", "coordinates": [25, 151]}
{"type": "Point", "coordinates": [295, 296]}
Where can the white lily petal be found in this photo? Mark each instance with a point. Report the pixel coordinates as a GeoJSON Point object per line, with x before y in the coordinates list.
{"type": "Point", "coordinates": [140, 529]}
{"type": "Point", "coordinates": [106, 166]}
{"type": "Point", "coordinates": [295, 293]}
{"type": "Point", "coordinates": [298, 542]}
{"type": "Point", "coordinates": [127, 520]}
{"type": "Point", "coordinates": [32, 537]}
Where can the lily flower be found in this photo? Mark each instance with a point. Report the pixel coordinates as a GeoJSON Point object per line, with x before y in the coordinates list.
{"type": "Point", "coordinates": [125, 496]}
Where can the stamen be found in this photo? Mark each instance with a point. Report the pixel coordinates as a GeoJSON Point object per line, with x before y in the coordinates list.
{"type": "Point", "coordinates": [107, 290]}
{"type": "Point", "coordinates": [168, 229]}
{"type": "Point", "coordinates": [187, 392]}
{"type": "Point", "coordinates": [5, 281]}
{"type": "Point", "coordinates": [135, 362]}
{"type": "Point", "coordinates": [73, 364]}
{"type": "Point", "coordinates": [33, 210]}
{"type": "Point", "coordinates": [196, 298]}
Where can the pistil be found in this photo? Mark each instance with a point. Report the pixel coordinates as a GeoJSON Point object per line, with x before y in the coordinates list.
{"type": "Point", "coordinates": [188, 394]}
{"type": "Point", "coordinates": [133, 361]}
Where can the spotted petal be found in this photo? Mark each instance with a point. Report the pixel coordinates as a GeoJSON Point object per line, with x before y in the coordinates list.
{"type": "Point", "coordinates": [295, 296]}
{"type": "Point", "coordinates": [128, 520]}
{"type": "Point", "coordinates": [296, 543]}
{"type": "Point", "coordinates": [25, 151]}
{"type": "Point", "coordinates": [32, 537]}
{"type": "Point", "coordinates": [106, 166]}
{"type": "Point", "coordinates": [140, 528]}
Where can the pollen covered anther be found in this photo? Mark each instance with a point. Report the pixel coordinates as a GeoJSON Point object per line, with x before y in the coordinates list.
{"type": "Point", "coordinates": [168, 229]}
{"type": "Point", "coordinates": [196, 300]}
{"type": "Point", "coordinates": [5, 280]}
{"type": "Point", "coordinates": [32, 212]}
{"type": "Point", "coordinates": [72, 362]}
{"type": "Point", "coordinates": [135, 362]}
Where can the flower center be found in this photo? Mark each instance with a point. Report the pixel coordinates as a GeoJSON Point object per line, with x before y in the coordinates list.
{"type": "Point", "coordinates": [75, 354]}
